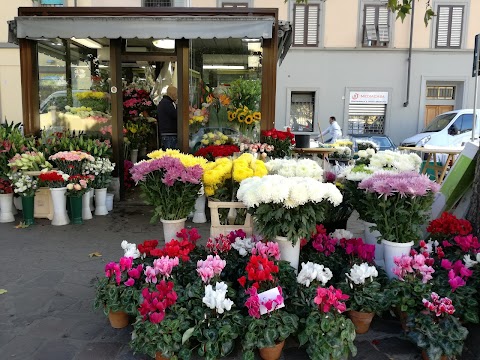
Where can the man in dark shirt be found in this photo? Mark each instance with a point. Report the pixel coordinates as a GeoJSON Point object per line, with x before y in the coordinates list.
{"type": "Point", "coordinates": [167, 119]}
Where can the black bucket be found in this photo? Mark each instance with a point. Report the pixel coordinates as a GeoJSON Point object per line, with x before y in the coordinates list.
{"type": "Point", "coordinates": [302, 141]}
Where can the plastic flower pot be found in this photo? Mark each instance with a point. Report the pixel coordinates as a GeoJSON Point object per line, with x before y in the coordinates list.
{"type": "Point", "coordinates": [199, 216]}
{"type": "Point", "coordinates": [134, 155]}
{"type": "Point", "coordinates": [28, 205]}
{"type": "Point", "coordinates": [171, 227]}
{"type": "Point", "coordinates": [76, 209]}
{"type": "Point", "coordinates": [101, 201]}
{"type": "Point", "coordinates": [289, 252]}
{"type": "Point", "coordinates": [86, 212]}
{"type": "Point", "coordinates": [6, 208]}
{"type": "Point", "coordinates": [272, 353]}
{"type": "Point", "coordinates": [59, 200]}
{"type": "Point", "coordinates": [391, 250]}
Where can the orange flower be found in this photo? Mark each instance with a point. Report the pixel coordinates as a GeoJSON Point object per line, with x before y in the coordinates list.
{"type": "Point", "coordinates": [209, 98]}
{"type": "Point", "coordinates": [224, 100]}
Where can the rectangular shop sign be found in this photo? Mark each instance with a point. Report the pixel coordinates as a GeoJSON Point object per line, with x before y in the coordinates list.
{"type": "Point", "coordinates": [368, 97]}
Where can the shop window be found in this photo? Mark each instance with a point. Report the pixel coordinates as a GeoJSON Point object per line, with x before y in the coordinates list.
{"type": "Point", "coordinates": [302, 110]}
{"type": "Point", "coordinates": [225, 91]}
{"type": "Point", "coordinates": [376, 30]}
{"type": "Point", "coordinates": [157, 3]}
{"type": "Point", "coordinates": [441, 92]}
{"type": "Point", "coordinates": [306, 24]}
{"type": "Point", "coordinates": [366, 118]}
{"type": "Point", "coordinates": [449, 26]}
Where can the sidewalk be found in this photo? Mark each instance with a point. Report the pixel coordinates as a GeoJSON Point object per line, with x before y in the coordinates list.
{"type": "Point", "coordinates": [47, 313]}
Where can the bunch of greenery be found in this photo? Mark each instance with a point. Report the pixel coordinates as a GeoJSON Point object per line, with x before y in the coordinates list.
{"type": "Point", "coordinates": [244, 92]}
{"type": "Point", "coordinates": [12, 142]}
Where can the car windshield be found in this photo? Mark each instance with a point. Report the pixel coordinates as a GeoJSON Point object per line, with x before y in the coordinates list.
{"type": "Point", "coordinates": [380, 140]}
{"type": "Point", "coordinates": [440, 122]}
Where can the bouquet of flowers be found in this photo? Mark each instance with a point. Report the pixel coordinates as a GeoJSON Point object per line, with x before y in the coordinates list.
{"type": "Point", "coordinates": [245, 118]}
{"type": "Point", "coordinates": [137, 132]}
{"type": "Point", "coordinates": [215, 138]}
{"type": "Point", "coordinates": [71, 162]}
{"type": "Point", "coordinates": [96, 100]}
{"type": "Point", "coordinates": [53, 179]}
{"type": "Point", "coordinates": [6, 186]}
{"type": "Point", "coordinates": [282, 142]}
{"type": "Point", "coordinates": [293, 167]}
{"type": "Point", "coordinates": [78, 185]}
{"type": "Point", "coordinates": [12, 142]}
{"type": "Point", "coordinates": [398, 203]}
{"type": "Point", "coordinates": [23, 185]}
{"type": "Point", "coordinates": [137, 102]}
{"type": "Point", "coordinates": [214, 151]}
{"type": "Point", "coordinates": [288, 207]}
{"type": "Point", "coordinates": [197, 118]}
{"type": "Point", "coordinates": [29, 161]}
{"type": "Point", "coordinates": [101, 169]}
{"type": "Point", "coordinates": [436, 330]}
{"type": "Point", "coordinates": [169, 186]}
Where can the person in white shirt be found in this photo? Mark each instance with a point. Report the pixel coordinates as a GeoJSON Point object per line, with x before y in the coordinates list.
{"type": "Point", "coordinates": [334, 131]}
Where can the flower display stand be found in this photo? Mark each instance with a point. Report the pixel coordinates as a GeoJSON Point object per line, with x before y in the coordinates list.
{"type": "Point", "coordinates": [217, 228]}
{"type": "Point", "coordinates": [43, 207]}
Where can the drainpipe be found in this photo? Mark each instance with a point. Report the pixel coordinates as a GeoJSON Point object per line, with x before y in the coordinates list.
{"type": "Point", "coordinates": [405, 104]}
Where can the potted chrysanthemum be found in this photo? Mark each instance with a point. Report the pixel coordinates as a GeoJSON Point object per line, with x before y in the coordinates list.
{"type": "Point", "coordinates": [287, 209]}
{"type": "Point", "coordinates": [399, 204]}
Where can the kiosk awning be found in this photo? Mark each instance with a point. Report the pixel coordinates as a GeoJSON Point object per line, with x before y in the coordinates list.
{"type": "Point", "coordinates": [171, 27]}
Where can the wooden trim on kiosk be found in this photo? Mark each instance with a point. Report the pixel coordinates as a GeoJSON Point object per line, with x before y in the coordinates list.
{"type": "Point", "coordinates": [29, 67]}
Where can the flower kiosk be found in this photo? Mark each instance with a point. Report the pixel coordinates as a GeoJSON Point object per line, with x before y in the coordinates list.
{"type": "Point", "coordinates": [75, 63]}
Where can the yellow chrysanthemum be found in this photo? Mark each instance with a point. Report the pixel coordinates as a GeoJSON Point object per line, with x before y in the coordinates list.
{"type": "Point", "coordinates": [241, 173]}
{"type": "Point", "coordinates": [209, 191]}
{"type": "Point", "coordinates": [186, 159]}
{"type": "Point", "coordinates": [260, 169]}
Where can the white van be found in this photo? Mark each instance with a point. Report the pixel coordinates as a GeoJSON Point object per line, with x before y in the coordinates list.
{"type": "Point", "coordinates": [451, 129]}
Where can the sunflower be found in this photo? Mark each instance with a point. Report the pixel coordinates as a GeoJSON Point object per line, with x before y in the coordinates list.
{"type": "Point", "coordinates": [249, 119]}
{"type": "Point", "coordinates": [257, 115]}
{"type": "Point", "coordinates": [231, 116]}
{"type": "Point", "coordinates": [241, 116]}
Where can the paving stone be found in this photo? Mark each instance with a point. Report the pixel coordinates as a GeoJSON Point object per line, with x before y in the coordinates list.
{"type": "Point", "coordinates": [49, 326]}
{"type": "Point", "coordinates": [85, 330]}
{"type": "Point", "coordinates": [398, 349]}
{"type": "Point", "coordinates": [21, 347]}
{"type": "Point", "coordinates": [5, 337]}
{"type": "Point", "coordinates": [100, 351]}
{"type": "Point", "coordinates": [56, 349]}
{"type": "Point", "coordinates": [46, 278]}
{"type": "Point", "coordinates": [366, 351]}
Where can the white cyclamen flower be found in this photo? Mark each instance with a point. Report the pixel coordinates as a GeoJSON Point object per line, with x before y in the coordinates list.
{"type": "Point", "coordinates": [216, 299]}
{"type": "Point", "coordinates": [469, 262]}
{"type": "Point", "coordinates": [130, 250]}
{"type": "Point", "coordinates": [311, 272]}
{"type": "Point", "coordinates": [243, 246]}
{"type": "Point", "coordinates": [341, 234]}
{"type": "Point", "coordinates": [359, 273]}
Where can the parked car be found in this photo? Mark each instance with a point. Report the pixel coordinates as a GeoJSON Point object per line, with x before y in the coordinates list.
{"type": "Point", "coordinates": [383, 141]}
{"type": "Point", "coordinates": [59, 99]}
{"type": "Point", "coordinates": [450, 129]}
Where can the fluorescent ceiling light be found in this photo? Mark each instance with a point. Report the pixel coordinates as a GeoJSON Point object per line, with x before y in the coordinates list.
{"type": "Point", "coordinates": [225, 67]}
{"type": "Point", "coordinates": [251, 40]}
{"type": "Point", "coordinates": [88, 43]}
{"type": "Point", "coordinates": [164, 44]}
{"type": "Point", "coordinates": [255, 47]}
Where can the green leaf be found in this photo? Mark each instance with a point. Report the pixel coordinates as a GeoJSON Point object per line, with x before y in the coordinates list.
{"type": "Point", "coordinates": [187, 334]}
{"type": "Point", "coordinates": [3, 291]}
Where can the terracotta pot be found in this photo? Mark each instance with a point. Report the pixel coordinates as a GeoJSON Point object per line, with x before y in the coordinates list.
{"type": "Point", "coordinates": [403, 320]}
{"type": "Point", "coordinates": [425, 356]}
{"type": "Point", "coordinates": [272, 353]}
{"type": "Point", "coordinates": [361, 320]}
{"type": "Point", "coordinates": [159, 356]}
{"type": "Point", "coordinates": [118, 319]}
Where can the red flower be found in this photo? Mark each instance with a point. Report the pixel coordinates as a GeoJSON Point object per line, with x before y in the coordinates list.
{"type": "Point", "coordinates": [214, 151]}
{"type": "Point", "coordinates": [449, 225]}
{"type": "Point", "coordinates": [147, 246]}
{"type": "Point", "coordinates": [260, 269]}
{"type": "Point", "coordinates": [242, 280]}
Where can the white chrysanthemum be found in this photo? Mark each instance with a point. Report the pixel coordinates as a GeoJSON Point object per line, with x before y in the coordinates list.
{"type": "Point", "coordinates": [362, 154]}
{"type": "Point", "coordinates": [370, 152]}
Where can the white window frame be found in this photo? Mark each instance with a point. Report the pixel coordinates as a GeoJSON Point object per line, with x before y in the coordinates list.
{"type": "Point", "coordinates": [361, 16]}
{"type": "Point", "coordinates": [466, 12]}
{"type": "Point", "coordinates": [316, 107]}
{"type": "Point", "coordinates": [320, 28]}
{"type": "Point", "coordinates": [220, 2]}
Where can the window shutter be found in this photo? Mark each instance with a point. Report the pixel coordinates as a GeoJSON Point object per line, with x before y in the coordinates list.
{"type": "Point", "coordinates": [383, 35]}
{"type": "Point", "coordinates": [442, 26]}
{"type": "Point", "coordinates": [299, 25]}
{"type": "Point", "coordinates": [370, 28]}
{"type": "Point", "coordinates": [456, 26]}
{"type": "Point", "coordinates": [312, 25]}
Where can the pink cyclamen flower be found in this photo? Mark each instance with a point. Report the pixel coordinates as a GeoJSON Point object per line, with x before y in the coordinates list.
{"type": "Point", "coordinates": [126, 263]}
{"type": "Point", "coordinates": [129, 282]}
{"type": "Point", "coordinates": [164, 265]}
{"type": "Point", "coordinates": [151, 275]}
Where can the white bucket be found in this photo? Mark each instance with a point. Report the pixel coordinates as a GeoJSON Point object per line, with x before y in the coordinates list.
{"type": "Point", "coordinates": [109, 202]}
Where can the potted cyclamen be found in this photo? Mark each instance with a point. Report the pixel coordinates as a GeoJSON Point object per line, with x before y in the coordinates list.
{"type": "Point", "coordinates": [171, 188]}
{"type": "Point", "coordinates": [118, 293]}
{"type": "Point", "coordinates": [399, 204]}
{"type": "Point", "coordinates": [436, 330]}
{"type": "Point", "coordinates": [287, 209]}
{"type": "Point", "coordinates": [101, 169]}
{"type": "Point", "coordinates": [6, 201]}
{"type": "Point", "coordinates": [77, 186]}
{"type": "Point", "coordinates": [366, 296]}
{"type": "Point", "coordinates": [56, 181]}
{"type": "Point", "coordinates": [329, 334]}
{"type": "Point", "coordinates": [25, 186]}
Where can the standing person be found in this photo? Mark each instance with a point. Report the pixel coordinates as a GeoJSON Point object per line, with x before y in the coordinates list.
{"type": "Point", "coordinates": [167, 119]}
{"type": "Point", "coordinates": [334, 130]}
